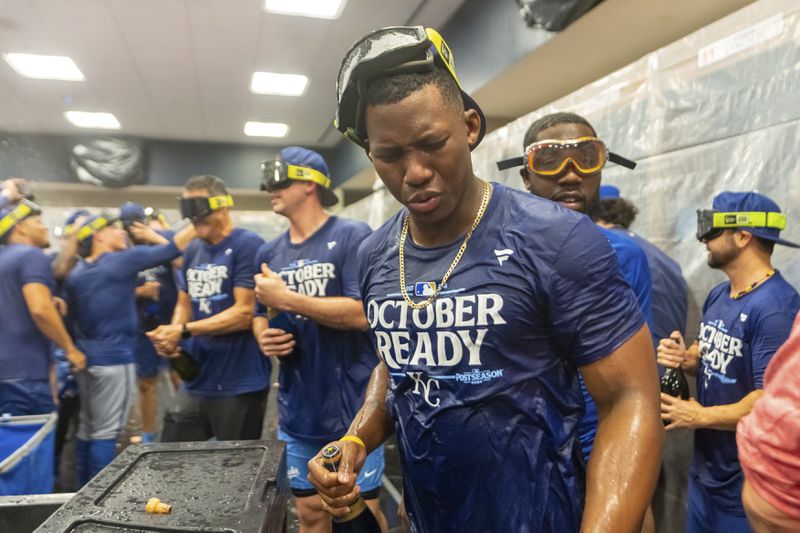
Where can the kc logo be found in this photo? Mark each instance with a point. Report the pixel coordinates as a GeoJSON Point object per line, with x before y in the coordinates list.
{"type": "Point", "coordinates": [422, 387]}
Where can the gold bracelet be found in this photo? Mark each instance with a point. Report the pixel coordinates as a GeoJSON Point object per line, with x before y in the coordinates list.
{"type": "Point", "coordinates": [353, 438]}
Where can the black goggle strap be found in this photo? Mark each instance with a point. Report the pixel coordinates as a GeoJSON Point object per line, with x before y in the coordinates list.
{"type": "Point", "coordinates": [91, 228]}
{"type": "Point", "coordinates": [519, 161]}
{"type": "Point", "coordinates": [22, 211]}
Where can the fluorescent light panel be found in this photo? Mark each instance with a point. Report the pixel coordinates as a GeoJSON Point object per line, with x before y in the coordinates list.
{"type": "Point", "coordinates": [274, 83]}
{"type": "Point", "coordinates": [44, 67]}
{"type": "Point", "coordinates": [325, 9]}
{"type": "Point", "coordinates": [86, 119]}
{"type": "Point", "coordinates": [265, 129]}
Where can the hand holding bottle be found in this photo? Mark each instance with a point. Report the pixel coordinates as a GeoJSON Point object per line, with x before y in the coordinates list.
{"type": "Point", "coordinates": [671, 352]}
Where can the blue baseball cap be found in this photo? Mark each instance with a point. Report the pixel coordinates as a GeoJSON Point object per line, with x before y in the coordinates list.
{"type": "Point", "coordinates": [75, 215]}
{"type": "Point", "coordinates": [132, 212]}
{"type": "Point", "coordinates": [751, 202]}
{"type": "Point", "coordinates": [609, 191]}
{"type": "Point", "coordinates": [303, 157]}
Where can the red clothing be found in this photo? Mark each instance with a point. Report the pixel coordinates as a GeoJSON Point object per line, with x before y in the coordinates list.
{"type": "Point", "coordinates": [769, 437]}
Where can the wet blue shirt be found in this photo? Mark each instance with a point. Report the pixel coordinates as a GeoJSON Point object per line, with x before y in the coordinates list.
{"type": "Point", "coordinates": [24, 350]}
{"type": "Point", "coordinates": [484, 381]}
{"type": "Point", "coordinates": [736, 342]}
{"type": "Point", "coordinates": [633, 266]}
{"type": "Point", "coordinates": [329, 365]}
{"type": "Point", "coordinates": [102, 302]}
{"type": "Point", "coordinates": [230, 364]}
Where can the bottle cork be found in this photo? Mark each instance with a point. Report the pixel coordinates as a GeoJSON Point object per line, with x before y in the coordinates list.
{"type": "Point", "coordinates": [154, 506]}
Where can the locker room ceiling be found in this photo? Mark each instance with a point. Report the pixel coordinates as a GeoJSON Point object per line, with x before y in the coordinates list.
{"type": "Point", "coordinates": [181, 69]}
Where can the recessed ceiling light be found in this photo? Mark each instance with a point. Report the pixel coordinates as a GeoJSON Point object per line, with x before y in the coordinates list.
{"type": "Point", "coordinates": [86, 119]}
{"type": "Point", "coordinates": [265, 129]}
{"type": "Point", "coordinates": [44, 67]}
{"type": "Point", "coordinates": [283, 84]}
{"type": "Point", "coordinates": [325, 9]}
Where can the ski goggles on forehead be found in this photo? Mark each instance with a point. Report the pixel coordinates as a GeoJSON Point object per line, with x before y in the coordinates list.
{"type": "Point", "coordinates": [201, 207]}
{"type": "Point", "coordinates": [550, 157]}
{"type": "Point", "coordinates": [711, 224]}
{"type": "Point", "coordinates": [392, 50]}
{"type": "Point", "coordinates": [277, 174]}
{"type": "Point", "coordinates": [24, 209]}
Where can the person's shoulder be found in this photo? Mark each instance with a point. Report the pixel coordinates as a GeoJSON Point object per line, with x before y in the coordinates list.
{"type": "Point", "coordinates": [26, 253]}
{"type": "Point", "coordinates": [386, 234]}
{"type": "Point", "coordinates": [246, 238]}
{"type": "Point", "coordinates": [776, 296]}
{"type": "Point", "coordinates": [267, 248]}
{"type": "Point", "coordinates": [623, 243]}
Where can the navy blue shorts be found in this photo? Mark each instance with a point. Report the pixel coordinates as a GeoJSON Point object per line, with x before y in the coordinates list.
{"type": "Point", "coordinates": [147, 360]}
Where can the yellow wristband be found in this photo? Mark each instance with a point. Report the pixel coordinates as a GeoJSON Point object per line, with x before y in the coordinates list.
{"type": "Point", "coordinates": [353, 438]}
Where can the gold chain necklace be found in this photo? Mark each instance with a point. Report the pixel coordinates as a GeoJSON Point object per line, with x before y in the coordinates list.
{"type": "Point", "coordinates": [404, 233]}
{"type": "Point", "coordinates": [753, 286]}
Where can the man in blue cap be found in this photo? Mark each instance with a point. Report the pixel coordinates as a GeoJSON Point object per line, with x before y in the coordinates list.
{"type": "Point", "coordinates": [100, 292]}
{"type": "Point", "coordinates": [156, 296]}
{"type": "Point", "coordinates": [310, 276]}
{"type": "Point", "coordinates": [29, 318]}
{"type": "Point", "coordinates": [745, 320]}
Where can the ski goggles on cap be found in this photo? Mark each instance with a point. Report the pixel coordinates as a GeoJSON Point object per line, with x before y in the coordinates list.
{"type": "Point", "coordinates": [389, 51]}
{"type": "Point", "coordinates": [201, 207]}
{"type": "Point", "coordinates": [24, 209]}
{"type": "Point", "coordinates": [550, 157]}
{"type": "Point", "coordinates": [94, 225]}
{"type": "Point", "coordinates": [711, 224]}
{"type": "Point", "coordinates": [277, 174]}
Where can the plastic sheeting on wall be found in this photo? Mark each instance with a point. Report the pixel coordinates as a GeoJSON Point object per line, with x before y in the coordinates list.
{"type": "Point", "coordinates": [716, 110]}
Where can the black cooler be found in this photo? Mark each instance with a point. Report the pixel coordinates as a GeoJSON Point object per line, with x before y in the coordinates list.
{"type": "Point", "coordinates": [230, 487]}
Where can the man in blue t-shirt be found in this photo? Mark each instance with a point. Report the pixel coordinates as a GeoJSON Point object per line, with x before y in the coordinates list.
{"type": "Point", "coordinates": [156, 296]}
{"type": "Point", "coordinates": [29, 320]}
{"type": "Point", "coordinates": [484, 303]}
{"type": "Point", "coordinates": [745, 320]}
{"type": "Point", "coordinates": [558, 149]}
{"type": "Point", "coordinates": [310, 277]}
{"type": "Point", "coordinates": [100, 292]}
{"type": "Point", "coordinates": [212, 322]}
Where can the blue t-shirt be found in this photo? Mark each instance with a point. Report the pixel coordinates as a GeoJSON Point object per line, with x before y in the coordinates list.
{"type": "Point", "coordinates": [330, 365]}
{"type": "Point", "coordinates": [670, 292]}
{"type": "Point", "coordinates": [102, 302]}
{"type": "Point", "coordinates": [230, 364]}
{"type": "Point", "coordinates": [736, 342]}
{"type": "Point", "coordinates": [633, 266]}
{"type": "Point", "coordinates": [484, 382]}
{"type": "Point", "coordinates": [24, 350]}
{"type": "Point", "coordinates": [153, 313]}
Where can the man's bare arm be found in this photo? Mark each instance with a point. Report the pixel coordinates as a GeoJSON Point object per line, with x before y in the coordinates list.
{"type": "Point", "coordinates": [623, 467]}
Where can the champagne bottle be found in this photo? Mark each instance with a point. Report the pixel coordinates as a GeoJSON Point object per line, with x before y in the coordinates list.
{"type": "Point", "coordinates": [360, 519]}
{"type": "Point", "coordinates": [185, 366]}
{"type": "Point", "coordinates": [674, 383]}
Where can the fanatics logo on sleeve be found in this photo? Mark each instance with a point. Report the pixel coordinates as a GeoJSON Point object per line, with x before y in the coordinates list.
{"type": "Point", "coordinates": [331, 245]}
{"type": "Point", "coordinates": [503, 255]}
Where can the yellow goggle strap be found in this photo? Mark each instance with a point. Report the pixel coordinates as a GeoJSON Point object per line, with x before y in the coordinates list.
{"type": "Point", "coordinates": [218, 202]}
{"type": "Point", "coordinates": [752, 219]}
{"type": "Point", "coordinates": [444, 52]}
{"type": "Point", "coordinates": [11, 219]}
{"type": "Point", "coordinates": [308, 174]}
{"type": "Point", "coordinates": [91, 228]}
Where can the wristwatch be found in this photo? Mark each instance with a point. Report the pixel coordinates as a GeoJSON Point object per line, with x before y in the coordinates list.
{"type": "Point", "coordinates": [185, 333]}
